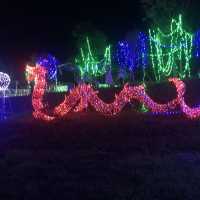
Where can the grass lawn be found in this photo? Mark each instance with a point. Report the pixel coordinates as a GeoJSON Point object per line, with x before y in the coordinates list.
{"type": "Point", "coordinates": [88, 156]}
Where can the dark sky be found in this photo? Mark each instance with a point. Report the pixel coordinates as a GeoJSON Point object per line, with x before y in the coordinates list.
{"type": "Point", "coordinates": [31, 27]}
{"type": "Point", "coordinates": [28, 28]}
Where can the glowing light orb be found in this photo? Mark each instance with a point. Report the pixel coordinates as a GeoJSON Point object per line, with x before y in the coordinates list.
{"type": "Point", "coordinates": [4, 81]}
{"type": "Point", "coordinates": [50, 63]}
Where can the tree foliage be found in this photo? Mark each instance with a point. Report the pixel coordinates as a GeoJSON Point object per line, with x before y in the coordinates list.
{"type": "Point", "coordinates": [160, 11]}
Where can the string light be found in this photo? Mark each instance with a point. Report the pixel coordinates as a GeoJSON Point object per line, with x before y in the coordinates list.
{"type": "Point", "coordinates": [89, 65]}
{"type": "Point", "coordinates": [4, 81]}
{"type": "Point", "coordinates": [60, 88]}
{"type": "Point", "coordinates": [196, 43]}
{"type": "Point", "coordinates": [124, 56]}
{"type": "Point", "coordinates": [80, 97]}
{"type": "Point", "coordinates": [142, 54]}
{"type": "Point", "coordinates": [85, 95]}
{"type": "Point", "coordinates": [129, 60]}
{"type": "Point", "coordinates": [38, 75]}
{"type": "Point", "coordinates": [50, 63]}
{"type": "Point", "coordinates": [141, 50]}
{"type": "Point", "coordinates": [173, 58]}
{"type": "Point", "coordinates": [192, 113]}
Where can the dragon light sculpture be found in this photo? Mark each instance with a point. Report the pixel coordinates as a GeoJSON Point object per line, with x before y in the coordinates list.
{"type": "Point", "coordinates": [83, 95]}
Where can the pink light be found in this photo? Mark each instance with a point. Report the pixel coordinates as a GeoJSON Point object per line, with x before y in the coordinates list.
{"type": "Point", "coordinates": [80, 97]}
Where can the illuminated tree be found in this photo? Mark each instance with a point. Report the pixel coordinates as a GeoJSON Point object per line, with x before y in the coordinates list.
{"type": "Point", "coordinates": [90, 65]}
{"type": "Point", "coordinates": [141, 53]}
{"type": "Point", "coordinates": [196, 42]}
{"type": "Point", "coordinates": [171, 53]}
{"type": "Point", "coordinates": [124, 56]}
{"type": "Point", "coordinates": [132, 57]}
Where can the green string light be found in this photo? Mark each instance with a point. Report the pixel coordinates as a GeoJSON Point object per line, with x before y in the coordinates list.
{"type": "Point", "coordinates": [171, 53]}
{"type": "Point", "coordinates": [89, 65]}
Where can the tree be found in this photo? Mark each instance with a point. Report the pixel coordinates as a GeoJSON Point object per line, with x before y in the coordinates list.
{"type": "Point", "coordinates": [93, 56]}
{"type": "Point", "coordinates": [90, 64]}
{"type": "Point", "coordinates": [160, 11]}
{"type": "Point", "coordinates": [171, 53]}
{"type": "Point", "coordinates": [131, 55]}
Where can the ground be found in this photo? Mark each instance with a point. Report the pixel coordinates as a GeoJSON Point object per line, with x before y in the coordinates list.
{"type": "Point", "coordinates": [87, 156]}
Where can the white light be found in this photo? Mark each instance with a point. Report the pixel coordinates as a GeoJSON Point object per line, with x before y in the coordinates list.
{"type": "Point", "coordinates": [4, 81]}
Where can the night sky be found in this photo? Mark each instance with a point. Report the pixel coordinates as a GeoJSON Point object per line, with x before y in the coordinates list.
{"type": "Point", "coordinates": [26, 29]}
{"type": "Point", "coordinates": [31, 28]}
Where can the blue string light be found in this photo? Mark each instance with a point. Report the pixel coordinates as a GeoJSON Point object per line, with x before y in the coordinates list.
{"type": "Point", "coordinates": [196, 43]}
{"type": "Point", "coordinates": [50, 63]}
{"type": "Point", "coordinates": [141, 50]}
{"type": "Point", "coordinates": [132, 59]}
{"type": "Point", "coordinates": [124, 56]}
